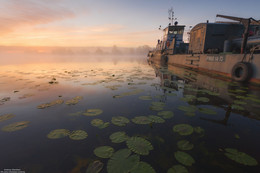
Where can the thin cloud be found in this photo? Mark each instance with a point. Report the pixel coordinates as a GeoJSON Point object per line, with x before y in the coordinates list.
{"type": "Point", "coordinates": [20, 13]}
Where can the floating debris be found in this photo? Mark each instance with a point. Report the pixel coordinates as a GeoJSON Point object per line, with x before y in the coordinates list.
{"type": "Point", "coordinates": [118, 137]}
{"type": "Point", "coordinates": [78, 135]}
{"type": "Point", "coordinates": [16, 126]}
{"type": "Point", "coordinates": [58, 133]}
{"type": "Point", "coordinates": [139, 145]}
{"type": "Point", "coordinates": [122, 162]}
{"type": "Point", "coordinates": [183, 129]}
{"type": "Point", "coordinates": [177, 169]}
{"type": "Point", "coordinates": [93, 112]}
{"type": "Point", "coordinates": [184, 158]}
{"type": "Point", "coordinates": [6, 117]}
{"type": "Point", "coordinates": [240, 157]}
{"type": "Point", "coordinates": [99, 123]}
{"type": "Point", "coordinates": [104, 152]}
{"type": "Point", "coordinates": [120, 121]}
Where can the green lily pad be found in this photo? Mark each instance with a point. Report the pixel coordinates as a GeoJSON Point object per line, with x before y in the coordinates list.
{"type": "Point", "coordinates": [118, 137]}
{"type": "Point", "coordinates": [122, 162]}
{"type": "Point", "coordinates": [184, 158]}
{"type": "Point", "coordinates": [16, 126]}
{"type": "Point", "coordinates": [78, 135]}
{"type": "Point", "coordinates": [139, 145]}
{"type": "Point", "coordinates": [104, 151]}
{"type": "Point", "coordinates": [237, 107]}
{"type": "Point", "coordinates": [184, 145]}
{"type": "Point", "coordinates": [141, 120]}
{"type": "Point", "coordinates": [165, 114]}
{"type": "Point", "coordinates": [99, 123]}
{"type": "Point", "coordinates": [207, 111]}
{"type": "Point", "coordinates": [238, 102]}
{"type": "Point", "coordinates": [120, 121]}
{"type": "Point", "coordinates": [93, 112]}
{"type": "Point", "coordinates": [58, 133]}
{"type": "Point", "coordinates": [203, 99]}
{"type": "Point", "coordinates": [240, 157]}
{"type": "Point", "coordinates": [183, 129]}
{"type": "Point", "coordinates": [159, 104]}
{"type": "Point", "coordinates": [6, 117]}
{"type": "Point", "coordinates": [187, 108]}
{"type": "Point", "coordinates": [145, 98]}
{"type": "Point", "coordinates": [177, 169]}
{"type": "Point", "coordinates": [156, 119]}
{"type": "Point", "coordinates": [199, 130]}
{"type": "Point", "coordinates": [143, 167]}
{"type": "Point", "coordinates": [156, 108]}
{"type": "Point", "coordinates": [95, 167]}
{"type": "Point", "coordinates": [46, 105]}
{"type": "Point", "coordinates": [190, 114]}
{"type": "Point", "coordinates": [188, 98]}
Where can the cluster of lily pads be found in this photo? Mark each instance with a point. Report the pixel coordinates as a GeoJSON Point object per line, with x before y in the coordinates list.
{"type": "Point", "coordinates": [73, 101]}
{"type": "Point", "coordinates": [61, 133]}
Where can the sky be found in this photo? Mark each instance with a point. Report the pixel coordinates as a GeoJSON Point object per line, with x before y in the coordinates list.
{"type": "Point", "coordinates": [94, 23]}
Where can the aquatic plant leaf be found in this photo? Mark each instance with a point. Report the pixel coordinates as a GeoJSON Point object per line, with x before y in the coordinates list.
{"type": "Point", "coordinates": [95, 167]}
{"type": "Point", "coordinates": [6, 117]}
{"type": "Point", "coordinates": [46, 105]}
{"type": "Point", "coordinates": [156, 119]}
{"type": "Point", "coordinates": [120, 121]}
{"type": "Point", "coordinates": [104, 151]}
{"type": "Point", "coordinates": [207, 111]}
{"type": "Point", "coordinates": [184, 145]}
{"type": "Point", "coordinates": [159, 104]}
{"type": "Point", "coordinates": [238, 102]}
{"type": "Point", "coordinates": [240, 157]}
{"type": "Point", "coordinates": [188, 108]}
{"type": "Point", "coordinates": [184, 158]}
{"type": "Point", "coordinates": [74, 101]}
{"type": "Point", "coordinates": [143, 167]}
{"type": "Point", "coordinates": [166, 114]}
{"type": "Point", "coordinates": [58, 133]}
{"type": "Point", "coordinates": [76, 113]}
{"type": "Point", "coordinates": [156, 108]}
{"type": "Point", "coordinates": [237, 107]}
{"type": "Point", "coordinates": [199, 130]}
{"type": "Point", "coordinates": [177, 169]}
{"type": "Point", "coordinates": [78, 135]}
{"type": "Point", "coordinates": [93, 112]}
{"type": "Point", "coordinates": [122, 162]}
{"type": "Point", "coordinates": [141, 120]}
{"type": "Point", "coordinates": [203, 99]}
{"type": "Point", "coordinates": [16, 126]}
{"type": "Point", "coordinates": [190, 114]}
{"type": "Point", "coordinates": [118, 137]}
{"type": "Point", "coordinates": [183, 129]}
{"type": "Point", "coordinates": [139, 145]}
{"type": "Point", "coordinates": [99, 123]}
{"type": "Point", "coordinates": [145, 98]}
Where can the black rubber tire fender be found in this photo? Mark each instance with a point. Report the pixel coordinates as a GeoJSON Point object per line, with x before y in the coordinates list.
{"type": "Point", "coordinates": [242, 72]}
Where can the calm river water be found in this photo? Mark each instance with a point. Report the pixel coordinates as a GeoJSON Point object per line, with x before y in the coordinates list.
{"type": "Point", "coordinates": [53, 116]}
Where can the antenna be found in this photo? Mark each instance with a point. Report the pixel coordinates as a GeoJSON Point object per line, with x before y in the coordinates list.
{"type": "Point", "coordinates": [171, 16]}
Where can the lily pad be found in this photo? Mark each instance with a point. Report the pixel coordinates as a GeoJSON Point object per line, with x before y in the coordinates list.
{"type": "Point", "coordinates": [184, 145]}
{"type": "Point", "coordinates": [203, 99]}
{"type": "Point", "coordinates": [93, 112]}
{"type": "Point", "coordinates": [139, 145]}
{"type": "Point", "coordinates": [74, 101]}
{"type": "Point", "coordinates": [166, 114]}
{"type": "Point", "coordinates": [159, 104]}
{"type": "Point", "coordinates": [120, 121]}
{"type": "Point", "coordinates": [199, 130]}
{"type": "Point", "coordinates": [46, 105]}
{"type": "Point", "coordinates": [99, 123]}
{"type": "Point", "coordinates": [143, 167]}
{"type": "Point", "coordinates": [141, 120]}
{"type": "Point", "coordinates": [207, 111]}
{"type": "Point", "coordinates": [122, 162]}
{"type": "Point", "coordinates": [16, 126]}
{"type": "Point", "coordinates": [240, 157]}
{"type": "Point", "coordinates": [156, 119]}
{"type": "Point", "coordinates": [183, 129]}
{"type": "Point", "coordinates": [78, 135]}
{"type": "Point", "coordinates": [6, 117]}
{"type": "Point", "coordinates": [58, 133]}
{"type": "Point", "coordinates": [237, 107]}
{"type": "Point", "coordinates": [95, 167]}
{"type": "Point", "coordinates": [145, 98]}
{"type": "Point", "coordinates": [187, 108]}
{"type": "Point", "coordinates": [118, 137]}
{"type": "Point", "coordinates": [177, 169]}
{"type": "Point", "coordinates": [184, 158]}
{"type": "Point", "coordinates": [104, 151]}
{"type": "Point", "coordinates": [238, 102]}
{"type": "Point", "coordinates": [156, 108]}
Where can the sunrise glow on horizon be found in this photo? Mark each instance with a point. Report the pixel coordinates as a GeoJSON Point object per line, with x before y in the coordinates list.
{"type": "Point", "coordinates": [89, 23]}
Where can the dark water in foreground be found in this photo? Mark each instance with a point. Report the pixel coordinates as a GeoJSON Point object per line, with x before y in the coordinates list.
{"type": "Point", "coordinates": [227, 113]}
